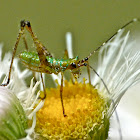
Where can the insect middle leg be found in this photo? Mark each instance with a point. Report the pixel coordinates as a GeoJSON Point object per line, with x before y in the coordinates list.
{"type": "Point", "coordinates": [43, 86]}
{"type": "Point", "coordinates": [61, 94]}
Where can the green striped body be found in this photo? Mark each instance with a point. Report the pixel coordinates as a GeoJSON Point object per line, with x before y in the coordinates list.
{"type": "Point", "coordinates": [32, 62]}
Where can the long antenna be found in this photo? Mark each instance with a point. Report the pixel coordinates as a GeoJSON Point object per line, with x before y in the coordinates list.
{"type": "Point", "coordinates": [128, 23]}
{"type": "Point", "coordinates": [117, 117]}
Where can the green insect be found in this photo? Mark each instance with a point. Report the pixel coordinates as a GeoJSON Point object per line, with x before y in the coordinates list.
{"type": "Point", "coordinates": [43, 62]}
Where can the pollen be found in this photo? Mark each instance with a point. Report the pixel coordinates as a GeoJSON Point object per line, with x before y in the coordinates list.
{"type": "Point", "coordinates": [85, 109]}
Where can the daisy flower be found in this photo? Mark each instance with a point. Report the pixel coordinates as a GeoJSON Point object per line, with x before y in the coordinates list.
{"type": "Point", "coordinates": [88, 106]}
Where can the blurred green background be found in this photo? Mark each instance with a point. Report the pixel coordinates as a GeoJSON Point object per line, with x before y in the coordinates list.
{"type": "Point", "coordinates": [90, 21]}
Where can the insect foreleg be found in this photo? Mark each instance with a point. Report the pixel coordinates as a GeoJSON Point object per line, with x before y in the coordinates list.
{"type": "Point", "coordinates": [88, 70]}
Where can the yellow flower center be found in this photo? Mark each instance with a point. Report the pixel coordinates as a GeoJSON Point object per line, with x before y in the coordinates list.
{"type": "Point", "coordinates": [84, 107]}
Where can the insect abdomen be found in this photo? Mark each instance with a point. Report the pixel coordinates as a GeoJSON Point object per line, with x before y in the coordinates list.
{"type": "Point", "coordinates": [30, 58]}
{"type": "Point", "coordinates": [31, 61]}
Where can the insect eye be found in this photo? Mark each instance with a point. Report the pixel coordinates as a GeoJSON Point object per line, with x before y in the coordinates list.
{"type": "Point", "coordinates": [73, 65]}
{"type": "Point", "coordinates": [86, 59]}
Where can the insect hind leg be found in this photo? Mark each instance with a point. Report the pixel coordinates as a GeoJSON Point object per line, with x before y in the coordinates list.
{"type": "Point", "coordinates": [42, 51]}
{"type": "Point", "coordinates": [25, 42]}
{"type": "Point", "coordinates": [14, 52]}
